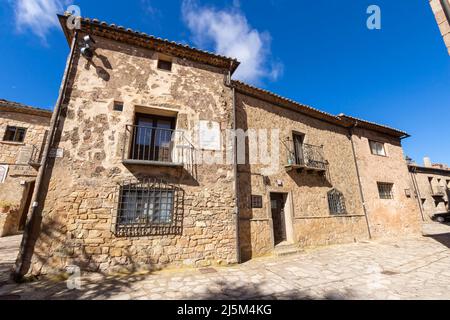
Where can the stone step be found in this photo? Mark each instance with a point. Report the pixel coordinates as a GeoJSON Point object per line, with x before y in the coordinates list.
{"type": "Point", "coordinates": [287, 250]}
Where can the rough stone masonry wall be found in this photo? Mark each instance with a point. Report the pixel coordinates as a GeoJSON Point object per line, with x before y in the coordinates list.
{"type": "Point", "coordinates": [397, 216]}
{"type": "Point", "coordinates": [83, 189]}
{"type": "Point", "coordinates": [312, 222]}
{"type": "Point", "coordinates": [432, 205]}
{"type": "Point", "coordinates": [443, 23]}
{"type": "Point", "coordinates": [13, 191]}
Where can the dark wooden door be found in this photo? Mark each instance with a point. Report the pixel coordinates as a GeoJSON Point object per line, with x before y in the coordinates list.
{"type": "Point", "coordinates": [277, 201]}
{"type": "Point", "coordinates": [298, 149]}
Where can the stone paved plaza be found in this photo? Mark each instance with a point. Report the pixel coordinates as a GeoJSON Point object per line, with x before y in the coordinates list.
{"type": "Point", "coordinates": [413, 268]}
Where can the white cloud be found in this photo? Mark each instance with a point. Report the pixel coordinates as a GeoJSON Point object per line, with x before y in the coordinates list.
{"type": "Point", "coordinates": [149, 8]}
{"type": "Point", "coordinates": [229, 32]}
{"type": "Point", "coordinates": [39, 16]}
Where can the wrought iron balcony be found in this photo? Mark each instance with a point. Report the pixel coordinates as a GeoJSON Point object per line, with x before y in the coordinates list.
{"type": "Point", "coordinates": [438, 191]}
{"type": "Point", "coordinates": [156, 146]}
{"type": "Point", "coordinates": [307, 157]}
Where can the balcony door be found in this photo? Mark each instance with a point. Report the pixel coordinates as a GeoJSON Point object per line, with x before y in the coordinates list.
{"type": "Point", "coordinates": [298, 148]}
{"type": "Point", "coordinates": [152, 138]}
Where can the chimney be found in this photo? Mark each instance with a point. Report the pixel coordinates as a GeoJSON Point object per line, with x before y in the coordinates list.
{"type": "Point", "coordinates": [427, 162]}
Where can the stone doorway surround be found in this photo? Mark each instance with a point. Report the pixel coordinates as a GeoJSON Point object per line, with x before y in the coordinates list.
{"type": "Point", "coordinates": [288, 215]}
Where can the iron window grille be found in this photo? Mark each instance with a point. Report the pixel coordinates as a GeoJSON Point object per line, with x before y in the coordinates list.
{"type": "Point", "coordinates": [385, 190]}
{"type": "Point", "coordinates": [14, 134]}
{"type": "Point", "coordinates": [149, 207]}
{"type": "Point", "coordinates": [257, 202]}
{"type": "Point", "coordinates": [336, 202]}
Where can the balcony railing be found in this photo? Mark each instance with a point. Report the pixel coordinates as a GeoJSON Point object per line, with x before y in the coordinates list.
{"type": "Point", "coordinates": [157, 146]}
{"type": "Point", "coordinates": [438, 191]}
{"type": "Point", "coordinates": [308, 157]}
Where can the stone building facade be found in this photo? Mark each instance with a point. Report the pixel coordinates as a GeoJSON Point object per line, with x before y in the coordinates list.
{"type": "Point", "coordinates": [150, 170]}
{"type": "Point", "coordinates": [312, 195]}
{"type": "Point", "coordinates": [432, 186]}
{"type": "Point", "coordinates": [22, 132]}
{"type": "Point", "coordinates": [386, 187]}
{"type": "Point", "coordinates": [441, 11]}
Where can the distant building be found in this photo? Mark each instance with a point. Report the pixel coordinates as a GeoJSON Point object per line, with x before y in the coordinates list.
{"type": "Point", "coordinates": [441, 10]}
{"type": "Point", "coordinates": [432, 186]}
{"type": "Point", "coordinates": [23, 130]}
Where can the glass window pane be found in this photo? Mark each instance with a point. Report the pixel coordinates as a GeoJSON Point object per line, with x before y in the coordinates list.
{"type": "Point", "coordinates": [10, 134]}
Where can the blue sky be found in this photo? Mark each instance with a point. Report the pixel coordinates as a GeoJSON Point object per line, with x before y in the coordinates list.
{"type": "Point", "coordinates": [316, 52]}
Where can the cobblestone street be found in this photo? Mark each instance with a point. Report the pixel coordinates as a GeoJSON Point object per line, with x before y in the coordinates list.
{"type": "Point", "coordinates": [414, 268]}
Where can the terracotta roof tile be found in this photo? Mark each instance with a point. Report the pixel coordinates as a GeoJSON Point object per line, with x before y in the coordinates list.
{"type": "Point", "coordinates": [19, 107]}
{"type": "Point", "coordinates": [220, 60]}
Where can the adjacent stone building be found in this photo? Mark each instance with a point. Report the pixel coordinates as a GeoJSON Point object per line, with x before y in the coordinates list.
{"type": "Point", "coordinates": [326, 167]}
{"type": "Point", "coordinates": [441, 10]}
{"type": "Point", "coordinates": [432, 186]}
{"type": "Point", "coordinates": [22, 134]}
{"type": "Point", "coordinates": [162, 159]}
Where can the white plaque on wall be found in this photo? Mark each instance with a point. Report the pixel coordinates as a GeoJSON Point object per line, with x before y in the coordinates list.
{"type": "Point", "coordinates": [209, 135]}
{"type": "Point", "coordinates": [3, 173]}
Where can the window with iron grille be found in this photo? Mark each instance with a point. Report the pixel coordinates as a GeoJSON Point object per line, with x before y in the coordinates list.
{"type": "Point", "coordinates": [385, 190]}
{"type": "Point", "coordinates": [149, 207]}
{"type": "Point", "coordinates": [336, 202]}
{"type": "Point", "coordinates": [14, 134]}
{"type": "Point", "coordinates": [257, 202]}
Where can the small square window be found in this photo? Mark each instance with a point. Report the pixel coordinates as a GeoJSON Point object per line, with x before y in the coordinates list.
{"type": "Point", "coordinates": [257, 202]}
{"type": "Point", "coordinates": [14, 134]}
{"type": "Point", "coordinates": [377, 148]}
{"type": "Point", "coordinates": [165, 65]}
{"type": "Point", "coordinates": [385, 190]}
{"type": "Point", "coordinates": [118, 106]}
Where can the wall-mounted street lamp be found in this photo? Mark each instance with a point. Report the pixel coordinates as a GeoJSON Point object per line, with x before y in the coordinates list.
{"type": "Point", "coordinates": [88, 47]}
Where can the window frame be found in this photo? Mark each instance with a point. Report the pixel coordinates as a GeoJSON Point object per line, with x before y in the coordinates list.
{"type": "Point", "coordinates": [141, 201]}
{"type": "Point", "coordinates": [334, 195]}
{"type": "Point", "coordinates": [16, 132]}
{"type": "Point", "coordinates": [383, 145]}
{"type": "Point", "coordinates": [132, 217]}
{"type": "Point", "coordinates": [381, 193]}
{"type": "Point", "coordinates": [152, 143]}
{"type": "Point", "coordinates": [118, 106]}
{"type": "Point", "coordinates": [167, 61]}
{"type": "Point", "coordinates": [256, 201]}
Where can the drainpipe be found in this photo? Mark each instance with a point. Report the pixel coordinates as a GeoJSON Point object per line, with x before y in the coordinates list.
{"type": "Point", "coordinates": [446, 7]}
{"type": "Point", "coordinates": [235, 169]}
{"type": "Point", "coordinates": [350, 130]}
{"type": "Point", "coordinates": [29, 238]}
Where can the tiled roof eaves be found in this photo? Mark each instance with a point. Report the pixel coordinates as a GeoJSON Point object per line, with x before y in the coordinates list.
{"type": "Point", "coordinates": [429, 169]}
{"type": "Point", "coordinates": [214, 59]}
{"type": "Point", "coordinates": [341, 120]}
{"type": "Point", "coordinates": [21, 108]}
{"type": "Point", "coordinates": [277, 99]}
{"type": "Point", "coordinates": [375, 126]}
